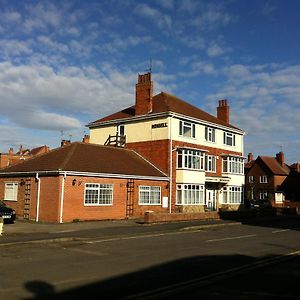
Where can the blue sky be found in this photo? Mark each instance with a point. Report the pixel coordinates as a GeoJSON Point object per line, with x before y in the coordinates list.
{"type": "Point", "coordinates": [66, 63]}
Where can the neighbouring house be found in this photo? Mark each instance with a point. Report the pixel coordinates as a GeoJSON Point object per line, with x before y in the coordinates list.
{"type": "Point", "coordinates": [202, 154]}
{"type": "Point", "coordinates": [291, 186]}
{"type": "Point", "coordinates": [83, 181]}
{"type": "Point", "coordinates": [265, 176]}
{"type": "Point", "coordinates": [11, 158]}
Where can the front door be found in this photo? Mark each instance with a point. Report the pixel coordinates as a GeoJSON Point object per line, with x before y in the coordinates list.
{"type": "Point", "coordinates": [211, 199]}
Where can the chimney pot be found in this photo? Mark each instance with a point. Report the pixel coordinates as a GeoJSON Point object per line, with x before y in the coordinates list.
{"type": "Point", "coordinates": [250, 157]}
{"type": "Point", "coordinates": [280, 158]}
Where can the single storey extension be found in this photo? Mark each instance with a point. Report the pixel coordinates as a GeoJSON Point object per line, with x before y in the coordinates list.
{"type": "Point", "coordinates": [84, 182]}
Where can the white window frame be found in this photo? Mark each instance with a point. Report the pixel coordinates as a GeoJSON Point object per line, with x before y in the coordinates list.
{"type": "Point", "coordinates": [210, 134]}
{"type": "Point", "coordinates": [229, 139]}
{"type": "Point", "coordinates": [210, 163]}
{"type": "Point", "coordinates": [187, 129]}
{"type": "Point", "coordinates": [103, 194]}
{"type": "Point", "coordinates": [190, 159]}
{"type": "Point", "coordinates": [11, 191]}
{"type": "Point", "coordinates": [121, 127]}
{"type": "Point", "coordinates": [233, 165]}
{"type": "Point", "coordinates": [251, 179]}
{"type": "Point", "coordinates": [263, 195]}
{"type": "Point", "coordinates": [190, 194]}
{"type": "Point", "coordinates": [151, 193]}
{"type": "Point", "coordinates": [263, 179]}
{"type": "Point", "coordinates": [233, 194]}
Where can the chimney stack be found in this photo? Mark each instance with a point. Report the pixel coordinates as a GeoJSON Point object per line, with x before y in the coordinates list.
{"type": "Point", "coordinates": [143, 94]}
{"type": "Point", "coordinates": [11, 151]}
{"type": "Point", "coordinates": [21, 149]}
{"type": "Point", "coordinates": [250, 157]}
{"type": "Point", "coordinates": [223, 111]}
{"type": "Point", "coordinates": [65, 143]}
{"type": "Point", "coordinates": [280, 158]}
{"type": "Point", "coordinates": [86, 139]}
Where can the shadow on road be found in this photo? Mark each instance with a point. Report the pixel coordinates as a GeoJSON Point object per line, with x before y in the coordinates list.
{"type": "Point", "coordinates": [199, 277]}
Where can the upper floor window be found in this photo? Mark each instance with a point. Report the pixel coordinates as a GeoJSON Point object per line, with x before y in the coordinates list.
{"type": "Point", "coordinates": [121, 130]}
{"type": "Point", "coordinates": [210, 134]}
{"type": "Point", "coordinates": [234, 165]}
{"type": "Point", "coordinates": [263, 179]}
{"type": "Point", "coordinates": [11, 191]}
{"type": "Point", "coordinates": [229, 138]}
{"type": "Point", "coordinates": [210, 163]}
{"type": "Point", "coordinates": [250, 179]}
{"type": "Point", "coordinates": [187, 129]}
{"type": "Point", "coordinates": [190, 159]}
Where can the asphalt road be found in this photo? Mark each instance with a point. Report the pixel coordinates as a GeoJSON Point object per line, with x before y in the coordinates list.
{"type": "Point", "coordinates": [242, 261]}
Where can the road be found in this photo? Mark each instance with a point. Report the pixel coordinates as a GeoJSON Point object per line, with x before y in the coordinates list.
{"type": "Point", "coordinates": [237, 260]}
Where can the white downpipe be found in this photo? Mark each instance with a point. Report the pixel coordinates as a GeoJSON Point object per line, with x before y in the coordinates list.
{"type": "Point", "coordinates": [38, 197]}
{"type": "Point", "coordinates": [171, 167]}
{"type": "Point", "coordinates": [62, 198]}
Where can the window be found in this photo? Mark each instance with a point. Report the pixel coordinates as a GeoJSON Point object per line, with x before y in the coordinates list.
{"type": "Point", "coordinates": [149, 195]}
{"type": "Point", "coordinates": [229, 139]}
{"type": "Point", "coordinates": [250, 179]}
{"type": "Point", "coordinates": [263, 195]}
{"type": "Point", "coordinates": [11, 191]}
{"type": "Point", "coordinates": [98, 194]}
{"type": "Point", "coordinates": [210, 163]}
{"type": "Point", "coordinates": [187, 129]}
{"type": "Point", "coordinates": [190, 194]}
{"type": "Point", "coordinates": [210, 134]}
{"type": "Point", "coordinates": [190, 159]}
{"type": "Point", "coordinates": [263, 179]}
{"type": "Point", "coordinates": [234, 165]}
{"type": "Point", "coordinates": [121, 130]}
{"type": "Point", "coordinates": [232, 194]}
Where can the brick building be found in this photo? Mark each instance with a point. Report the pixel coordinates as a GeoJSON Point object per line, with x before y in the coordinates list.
{"type": "Point", "coordinates": [202, 154]}
{"type": "Point", "coordinates": [271, 178]}
{"type": "Point", "coordinates": [11, 158]}
{"type": "Point", "coordinates": [86, 182]}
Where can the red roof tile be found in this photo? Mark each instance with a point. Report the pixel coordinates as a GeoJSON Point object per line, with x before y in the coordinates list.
{"type": "Point", "coordinates": [165, 102]}
{"type": "Point", "coordinates": [274, 165]}
{"type": "Point", "coordinates": [92, 158]}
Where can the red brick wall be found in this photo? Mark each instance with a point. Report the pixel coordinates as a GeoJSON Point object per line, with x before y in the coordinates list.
{"type": "Point", "coordinates": [74, 208]}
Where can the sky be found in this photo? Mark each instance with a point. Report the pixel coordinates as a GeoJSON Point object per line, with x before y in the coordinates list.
{"type": "Point", "coordinates": [65, 63]}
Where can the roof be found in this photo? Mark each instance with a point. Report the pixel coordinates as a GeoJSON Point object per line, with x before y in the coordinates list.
{"type": "Point", "coordinates": [90, 158]}
{"type": "Point", "coordinates": [164, 102]}
{"type": "Point", "coordinates": [274, 166]}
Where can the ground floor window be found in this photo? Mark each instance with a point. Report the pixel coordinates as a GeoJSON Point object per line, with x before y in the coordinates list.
{"type": "Point", "coordinates": [232, 194]}
{"type": "Point", "coordinates": [11, 191]}
{"type": "Point", "coordinates": [190, 194]}
{"type": "Point", "coordinates": [149, 195]}
{"type": "Point", "coordinates": [98, 194]}
{"type": "Point", "coordinates": [263, 195]}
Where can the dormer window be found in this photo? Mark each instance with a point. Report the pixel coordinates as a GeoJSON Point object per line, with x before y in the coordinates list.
{"type": "Point", "coordinates": [187, 129]}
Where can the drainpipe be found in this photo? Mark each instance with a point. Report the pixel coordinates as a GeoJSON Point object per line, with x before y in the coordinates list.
{"type": "Point", "coordinates": [62, 198]}
{"type": "Point", "coordinates": [171, 167]}
{"type": "Point", "coordinates": [38, 197]}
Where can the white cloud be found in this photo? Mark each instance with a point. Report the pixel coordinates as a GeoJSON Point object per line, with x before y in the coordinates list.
{"type": "Point", "coordinates": [163, 21]}
{"type": "Point", "coordinates": [214, 50]}
{"type": "Point", "coordinates": [36, 96]}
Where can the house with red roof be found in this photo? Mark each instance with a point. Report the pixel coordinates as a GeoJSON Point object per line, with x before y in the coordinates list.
{"type": "Point", "coordinates": [202, 154]}
{"type": "Point", "coordinates": [83, 181]}
{"type": "Point", "coordinates": [271, 178]}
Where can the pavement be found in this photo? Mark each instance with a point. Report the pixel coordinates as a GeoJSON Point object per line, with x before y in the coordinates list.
{"type": "Point", "coordinates": [28, 231]}
{"type": "Point", "coordinates": [31, 232]}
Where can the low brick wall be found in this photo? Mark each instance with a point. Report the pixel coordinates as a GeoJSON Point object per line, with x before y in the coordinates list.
{"type": "Point", "coordinates": [152, 217]}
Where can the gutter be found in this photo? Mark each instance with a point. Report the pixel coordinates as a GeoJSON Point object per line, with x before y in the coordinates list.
{"type": "Point", "coordinates": [62, 197]}
{"type": "Point", "coordinates": [38, 197]}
